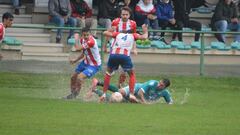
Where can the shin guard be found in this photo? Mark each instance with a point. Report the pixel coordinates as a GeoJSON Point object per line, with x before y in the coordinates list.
{"type": "Point", "coordinates": [132, 80]}
{"type": "Point", "coordinates": [107, 79]}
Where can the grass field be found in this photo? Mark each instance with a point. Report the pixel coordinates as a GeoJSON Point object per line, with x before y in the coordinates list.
{"type": "Point", "coordinates": [30, 105]}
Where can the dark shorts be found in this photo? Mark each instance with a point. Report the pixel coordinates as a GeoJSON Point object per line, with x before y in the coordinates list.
{"type": "Point", "coordinates": [116, 60]}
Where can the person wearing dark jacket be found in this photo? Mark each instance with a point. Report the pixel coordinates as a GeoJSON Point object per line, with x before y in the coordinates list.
{"type": "Point", "coordinates": [83, 14]}
{"type": "Point", "coordinates": [182, 11]}
{"type": "Point", "coordinates": [166, 19]}
{"type": "Point", "coordinates": [107, 11]}
{"type": "Point", "coordinates": [225, 17]}
{"type": "Point", "coordinates": [60, 14]}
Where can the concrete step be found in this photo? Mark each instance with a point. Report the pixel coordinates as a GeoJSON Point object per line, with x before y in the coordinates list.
{"type": "Point", "coordinates": [45, 56]}
{"type": "Point", "coordinates": [31, 37]}
{"type": "Point", "coordinates": [190, 52]}
{"type": "Point", "coordinates": [41, 10]}
{"type": "Point", "coordinates": [9, 8]}
{"type": "Point", "coordinates": [10, 47]}
{"type": "Point", "coordinates": [42, 47]}
{"type": "Point", "coordinates": [202, 18]}
{"type": "Point", "coordinates": [22, 18]}
{"type": "Point", "coordinates": [28, 28]}
{"type": "Point", "coordinates": [188, 38]}
{"type": "Point", "coordinates": [21, 30]}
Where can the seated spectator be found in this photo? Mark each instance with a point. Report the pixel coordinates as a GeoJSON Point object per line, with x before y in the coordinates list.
{"type": "Point", "coordinates": [60, 14]}
{"type": "Point", "coordinates": [225, 17]}
{"type": "Point", "coordinates": [145, 13]}
{"type": "Point", "coordinates": [107, 11]}
{"type": "Point", "coordinates": [16, 5]}
{"type": "Point", "coordinates": [166, 19]}
{"type": "Point", "coordinates": [83, 13]}
{"type": "Point", "coordinates": [182, 11]}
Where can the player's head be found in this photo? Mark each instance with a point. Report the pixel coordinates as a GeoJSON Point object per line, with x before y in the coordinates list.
{"type": "Point", "coordinates": [85, 32]}
{"type": "Point", "coordinates": [7, 19]}
{"type": "Point", "coordinates": [125, 13]}
{"type": "Point", "coordinates": [164, 83]}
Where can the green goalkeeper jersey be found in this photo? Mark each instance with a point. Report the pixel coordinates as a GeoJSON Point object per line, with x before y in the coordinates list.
{"type": "Point", "coordinates": [152, 93]}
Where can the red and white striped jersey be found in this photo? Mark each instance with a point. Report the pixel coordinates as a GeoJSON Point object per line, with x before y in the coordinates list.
{"type": "Point", "coordinates": [91, 51]}
{"type": "Point", "coordinates": [124, 26]}
{"type": "Point", "coordinates": [123, 43]}
{"type": "Point", "coordinates": [2, 32]}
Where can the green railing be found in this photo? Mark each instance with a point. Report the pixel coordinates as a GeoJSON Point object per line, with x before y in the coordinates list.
{"type": "Point", "coordinates": [150, 30]}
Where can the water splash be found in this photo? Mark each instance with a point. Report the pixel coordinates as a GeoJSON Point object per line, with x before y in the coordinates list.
{"type": "Point", "coordinates": [185, 97]}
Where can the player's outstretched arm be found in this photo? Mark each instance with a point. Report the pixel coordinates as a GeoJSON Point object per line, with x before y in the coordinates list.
{"type": "Point", "coordinates": [78, 46]}
{"type": "Point", "coordinates": [72, 61]}
{"type": "Point", "coordinates": [134, 49]}
{"type": "Point", "coordinates": [108, 33]}
{"type": "Point", "coordinates": [145, 33]}
{"type": "Point", "coordinates": [141, 95]}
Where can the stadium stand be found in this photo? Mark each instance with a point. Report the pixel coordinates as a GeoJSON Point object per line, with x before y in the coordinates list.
{"type": "Point", "coordinates": [38, 44]}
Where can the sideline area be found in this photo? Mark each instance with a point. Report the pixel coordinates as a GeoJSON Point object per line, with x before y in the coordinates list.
{"type": "Point", "coordinates": [141, 68]}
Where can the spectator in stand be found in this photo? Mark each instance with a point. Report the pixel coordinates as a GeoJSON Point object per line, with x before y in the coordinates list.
{"type": "Point", "coordinates": [145, 13]}
{"type": "Point", "coordinates": [16, 5]}
{"type": "Point", "coordinates": [7, 20]}
{"type": "Point", "coordinates": [166, 19]}
{"type": "Point", "coordinates": [60, 14]}
{"type": "Point", "coordinates": [225, 17]}
{"type": "Point", "coordinates": [182, 11]}
{"type": "Point", "coordinates": [83, 13]}
{"type": "Point", "coordinates": [107, 11]}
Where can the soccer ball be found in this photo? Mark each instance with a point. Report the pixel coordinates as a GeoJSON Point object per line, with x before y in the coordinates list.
{"type": "Point", "coordinates": [116, 97]}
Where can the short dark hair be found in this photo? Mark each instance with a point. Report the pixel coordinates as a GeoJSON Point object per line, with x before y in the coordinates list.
{"type": "Point", "coordinates": [85, 29]}
{"type": "Point", "coordinates": [166, 82]}
{"type": "Point", "coordinates": [7, 15]}
{"type": "Point", "coordinates": [126, 8]}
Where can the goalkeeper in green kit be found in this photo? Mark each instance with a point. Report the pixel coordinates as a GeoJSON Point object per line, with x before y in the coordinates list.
{"type": "Point", "coordinates": [147, 92]}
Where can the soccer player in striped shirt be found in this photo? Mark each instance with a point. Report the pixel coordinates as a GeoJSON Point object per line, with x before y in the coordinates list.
{"type": "Point", "coordinates": [7, 21]}
{"type": "Point", "coordinates": [90, 64]}
{"type": "Point", "coordinates": [123, 24]}
{"type": "Point", "coordinates": [120, 56]}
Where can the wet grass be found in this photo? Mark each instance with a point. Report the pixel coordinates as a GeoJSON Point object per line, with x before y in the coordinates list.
{"type": "Point", "coordinates": [30, 105]}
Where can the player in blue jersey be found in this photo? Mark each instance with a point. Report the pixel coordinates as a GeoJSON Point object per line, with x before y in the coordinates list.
{"type": "Point", "coordinates": [147, 92]}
